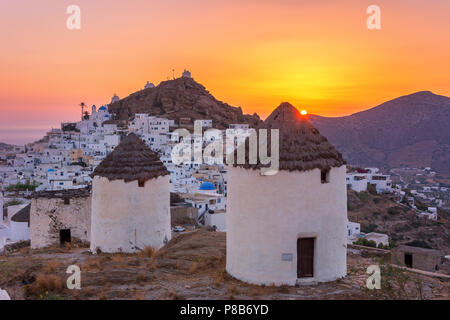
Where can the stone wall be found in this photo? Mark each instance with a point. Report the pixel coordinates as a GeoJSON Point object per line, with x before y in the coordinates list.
{"type": "Point", "coordinates": [422, 259]}
{"type": "Point", "coordinates": [182, 215]}
{"type": "Point", "coordinates": [50, 215]}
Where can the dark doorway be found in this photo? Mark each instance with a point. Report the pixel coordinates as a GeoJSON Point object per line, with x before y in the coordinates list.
{"type": "Point", "coordinates": [408, 260]}
{"type": "Point", "coordinates": [305, 257]}
{"type": "Point", "coordinates": [64, 237]}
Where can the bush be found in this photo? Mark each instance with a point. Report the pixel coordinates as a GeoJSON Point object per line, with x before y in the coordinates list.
{"type": "Point", "coordinates": [366, 243]}
{"type": "Point", "coordinates": [13, 202]}
{"type": "Point", "coordinates": [370, 228]}
{"type": "Point", "coordinates": [349, 206]}
{"type": "Point", "coordinates": [363, 196]}
{"type": "Point", "coordinates": [371, 188]}
{"type": "Point", "coordinates": [394, 210]}
{"type": "Point", "coordinates": [382, 246]}
{"type": "Point", "coordinates": [23, 186]}
{"type": "Point", "coordinates": [419, 244]}
{"type": "Point", "coordinates": [148, 252]}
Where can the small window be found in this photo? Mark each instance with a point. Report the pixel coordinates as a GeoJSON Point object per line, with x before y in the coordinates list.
{"type": "Point", "coordinates": [325, 176]}
{"type": "Point", "coordinates": [66, 201]}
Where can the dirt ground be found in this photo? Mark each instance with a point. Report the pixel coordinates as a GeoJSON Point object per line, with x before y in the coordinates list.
{"type": "Point", "coordinates": [191, 266]}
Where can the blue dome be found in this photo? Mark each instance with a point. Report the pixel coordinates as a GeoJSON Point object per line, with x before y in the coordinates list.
{"type": "Point", "coordinates": [50, 170]}
{"type": "Point", "coordinates": [102, 108]}
{"type": "Point", "coordinates": [207, 186]}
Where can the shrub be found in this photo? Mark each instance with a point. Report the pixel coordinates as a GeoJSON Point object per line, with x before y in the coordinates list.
{"type": "Point", "coordinates": [51, 266]}
{"type": "Point", "coordinates": [382, 246]}
{"type": "Point", "coordinates": [370, 228]}
{"type": "Point", "coordinates": [394, 210]}
{"type": "Point", "coordinates": [418, 243]}
{"type": "Point", "coordinates": [23, 186]}
{"type": "Point", "coordinates": [366, 243]}
{"type": "Point", "coordinates": [363, 196]}
{"type": "Point", "coordinates": [48, 283]}
{"type": "Point", "coordinates": [371, 188]}
{"type": "Point", "coordinates": [148, 252]}
{"type": "Point", "coordinates": [13, 202]}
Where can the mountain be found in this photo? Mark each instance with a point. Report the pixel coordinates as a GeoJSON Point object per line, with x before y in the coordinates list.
{"type": "Point", "coordinates": [5, 146]}
{"type": "Point", "coordinates": [180, 98]}
{"type": "Point", "coordinates": [412, 130]}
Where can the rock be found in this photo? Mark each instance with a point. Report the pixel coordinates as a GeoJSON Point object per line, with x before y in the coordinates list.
{"type": "Point", "coordinates": [181, 98]}
{"type": "Point", "coordinates": [4, 295]}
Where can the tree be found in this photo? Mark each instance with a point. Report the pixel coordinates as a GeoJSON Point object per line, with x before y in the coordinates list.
{"type": "Point", "coordinates": [82, 105]}
{"type": "Point", "coordinates": [86, 116]}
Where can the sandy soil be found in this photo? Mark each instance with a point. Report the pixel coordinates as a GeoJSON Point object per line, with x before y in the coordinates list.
{"type": "Point", "coordinates": [191, 266]}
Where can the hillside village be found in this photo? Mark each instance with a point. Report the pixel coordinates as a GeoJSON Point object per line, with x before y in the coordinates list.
{"type": "Point", "coordinates": [43, 183]}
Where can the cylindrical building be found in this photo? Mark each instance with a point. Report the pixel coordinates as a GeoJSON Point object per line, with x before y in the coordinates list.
{"type": "Point", "coordinates": [130, 200]}
{"type": "Point", "coordinates": [290, 226]}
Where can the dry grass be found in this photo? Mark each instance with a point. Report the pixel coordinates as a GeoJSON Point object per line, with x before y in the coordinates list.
{"type": "Point", "coordinates": [88, 291]}
{"type": "Point", "coordinates": [233, 290]}
{"type": "Point", "coordinates": [218, 280]}
{"type": "Point", "coordinates": [50, 283]}
{"type": "Point", "coordinates": [152, 265]}
{"type": "Point", "coordinates": [172, 294]}
{"type": "Point", "coordinates": [256, 291]}
{"type": "Point", "coordinates": [193, 267]}
{"type": "Point", "coordinates": [142, 277]}
{"type": "Point", "coordinates": [92, 264]}
{"type": "Point", "coordinates": [51, 266]}
{"type": "Point", "coordinates": [117, 258]}
{"type": "Point", "coordinates": [147, 252]}
{"type": "Point", "coordinates": [139, 295]}
{"type": "Point", "coordinates": [284, 289]}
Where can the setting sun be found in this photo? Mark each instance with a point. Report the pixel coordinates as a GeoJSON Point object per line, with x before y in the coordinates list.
{"type": "Point", "coordinates": [303, 112]}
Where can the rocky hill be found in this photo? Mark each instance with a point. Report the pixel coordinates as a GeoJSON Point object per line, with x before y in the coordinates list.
{"type": "Point", "coordinates": [180, 98]}
{"type": "Point", "coordinates": [377, 213]}
{"type": "Point", "coordinates": [412, 130]}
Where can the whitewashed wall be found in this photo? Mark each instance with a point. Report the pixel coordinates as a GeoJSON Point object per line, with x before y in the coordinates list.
{"type": "Point", "coordinates": [267, 214]}
{"type": "Point", "coordinates": [218, 220]}
{"type": "Point", "coordinates": [126, 217]}
{"type": "Point", "coordinates": [19, 231]}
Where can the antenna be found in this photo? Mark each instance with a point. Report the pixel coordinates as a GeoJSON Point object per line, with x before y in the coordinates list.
{"type": "Point", "coordinates": [173, 74]}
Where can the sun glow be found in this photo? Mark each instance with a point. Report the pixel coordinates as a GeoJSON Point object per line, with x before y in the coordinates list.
{"type": "Point", "coordinates": [303, 112]}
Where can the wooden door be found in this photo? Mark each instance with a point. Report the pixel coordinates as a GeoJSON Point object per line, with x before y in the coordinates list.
{"type": "Point", "coordinates": [305, 257]}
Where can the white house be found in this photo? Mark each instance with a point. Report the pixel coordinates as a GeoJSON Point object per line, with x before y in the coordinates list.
{"type": "Point", "coordinates": [378, 238]}
{"type": "Point", "coordinates": [353, 229]}
{"type": "Point", "coordinates": [357, 181]}
{"type": "Point", "coordinates": [290, 226]}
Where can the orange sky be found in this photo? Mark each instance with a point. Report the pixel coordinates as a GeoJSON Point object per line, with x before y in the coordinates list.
{"type": "Point", "coordinates": [318, 55]}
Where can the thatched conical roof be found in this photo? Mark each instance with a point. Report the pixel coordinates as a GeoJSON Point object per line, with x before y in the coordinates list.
{"type": "Point", "coordinates": [302, 147]}
{"type": "Point", "coordinates": [131, 160]}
